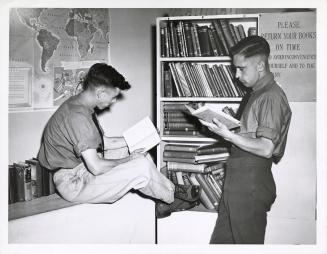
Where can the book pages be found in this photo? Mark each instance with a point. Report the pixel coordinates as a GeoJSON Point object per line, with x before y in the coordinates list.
{"type": "Point", "coordinates": [142, 135]}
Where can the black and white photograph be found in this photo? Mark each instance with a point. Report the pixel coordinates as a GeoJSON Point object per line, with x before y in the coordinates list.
{"type": "Point", "coordinates": [148, 127]}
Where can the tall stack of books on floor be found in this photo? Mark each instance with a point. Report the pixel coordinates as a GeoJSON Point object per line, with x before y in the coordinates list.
{"type": "Point", "coordinates": [186, 79]}
{"type": "Point", "coordinates": [198, 165]}
{"type": "Point", "coordinates": [28, 180]}
{"type": "Point", "coordinates": [191, 39]}
{"type": "Point", "coordinates": [177, 120]}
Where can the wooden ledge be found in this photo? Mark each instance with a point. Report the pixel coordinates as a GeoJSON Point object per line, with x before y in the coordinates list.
{"type": "Point", "coordinates": [36, 206]}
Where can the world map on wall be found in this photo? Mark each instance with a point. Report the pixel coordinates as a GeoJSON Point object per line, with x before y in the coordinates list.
{"type": "Point", "coordinates": [46, 38]}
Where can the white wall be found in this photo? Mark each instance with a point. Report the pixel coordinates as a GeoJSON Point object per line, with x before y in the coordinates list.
{"type": "Point", "coordinates": [132, 53]}
{"type": "Point", "coordinates": [292, 217]}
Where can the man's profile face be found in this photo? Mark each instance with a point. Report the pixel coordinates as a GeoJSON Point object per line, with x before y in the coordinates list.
{"type": "Point", "coordinates": [246, 69]}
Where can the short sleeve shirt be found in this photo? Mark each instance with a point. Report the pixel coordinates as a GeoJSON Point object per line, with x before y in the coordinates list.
{"type": "Point", "coordinates": [267, 114]}
{"type": "Point", "coordinates": [70, 131]}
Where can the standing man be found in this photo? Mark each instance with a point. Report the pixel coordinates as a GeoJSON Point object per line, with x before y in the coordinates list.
{"type": "Point", "coordinates": [249, 189]}
{"type": "Point", "coordinates": [73, 138]}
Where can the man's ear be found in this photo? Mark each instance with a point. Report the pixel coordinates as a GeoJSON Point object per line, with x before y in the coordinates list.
{"type": "Point", "coordinates": [261, 66]}
{"type": "Point", "coordinates": [98, 91]}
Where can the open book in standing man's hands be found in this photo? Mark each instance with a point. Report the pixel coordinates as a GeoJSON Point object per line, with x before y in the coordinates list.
{"type": "Point", "coordinates": [207, 114]}
{"type": "Point", "coordinates": [141, 135]}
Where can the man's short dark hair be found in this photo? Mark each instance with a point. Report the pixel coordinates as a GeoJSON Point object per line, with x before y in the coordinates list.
{"type": "Point", "coordinates": [251, 46]}
{"type": "Point", "coordinates": [101, 74]}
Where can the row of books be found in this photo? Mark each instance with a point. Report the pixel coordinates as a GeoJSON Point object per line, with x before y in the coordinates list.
{"type": "Point", "coordinates": [189, 39]}
{"type": "Point", "coordinates": [185, 79]}
{"type": "Point", "coordinates": [177, 120]}
{"type": "Point", "coordinates": [28, 180]}
{"type": "Point", "coordinates": [207, 173]}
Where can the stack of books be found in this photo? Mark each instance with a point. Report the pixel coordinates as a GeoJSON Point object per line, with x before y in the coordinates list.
{"type": "Point", "coordinates": [185, 79]}
{"type": "Point", "coordinates": [28, 180]}
{"type": "Point", "coordinates": [198, 165]}
{"type": "Point", "coordinates": [178, 122]}
{"type": "Point", "coordinates": [190, 39]}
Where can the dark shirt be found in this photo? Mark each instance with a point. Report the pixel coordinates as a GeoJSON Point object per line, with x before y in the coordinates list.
{"type": "Point", "coordinates": [267, 114]}
{"type": "Point", "coordinates": [70, 131]}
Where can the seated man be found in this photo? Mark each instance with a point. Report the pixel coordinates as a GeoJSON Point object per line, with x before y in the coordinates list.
{"type": "Point", "coordinates": [70, 145]}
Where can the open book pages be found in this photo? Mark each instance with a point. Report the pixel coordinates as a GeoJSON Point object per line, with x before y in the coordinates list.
{"type": "Point", "coordinates": [207, 114]}
{"type": "Point", "coordinates": [141, 135]}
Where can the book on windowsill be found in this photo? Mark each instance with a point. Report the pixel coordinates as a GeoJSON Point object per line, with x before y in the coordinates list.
{"type": "Point", "coordinates": [141, 135]}
{"type": "Point", "coordinates": [208, 114]}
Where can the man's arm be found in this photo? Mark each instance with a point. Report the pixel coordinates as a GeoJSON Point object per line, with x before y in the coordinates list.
{"type": "Point", "coordinates": [259, 146]}
{"type": "Point", "coordinates": [97, 165]}
{"type": "Point", "coordinates": [111, 143]}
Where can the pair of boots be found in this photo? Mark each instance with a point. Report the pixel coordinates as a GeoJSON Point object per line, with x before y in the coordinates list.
{"type": "Point", "coordinates": [186, 197]}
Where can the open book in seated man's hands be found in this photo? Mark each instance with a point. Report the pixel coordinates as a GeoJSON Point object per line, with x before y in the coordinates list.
{"type": "Point", "coordinates": [141, 135]}
{"type": "Point", "coordinates": [207, 114]}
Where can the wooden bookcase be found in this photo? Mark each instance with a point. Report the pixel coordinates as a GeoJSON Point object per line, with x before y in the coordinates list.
{"type": "Point", "coordinates": [166, 60]}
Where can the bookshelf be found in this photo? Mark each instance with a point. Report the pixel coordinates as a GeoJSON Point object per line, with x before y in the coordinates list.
{"type": "Point", "coordinates": [193, 66]}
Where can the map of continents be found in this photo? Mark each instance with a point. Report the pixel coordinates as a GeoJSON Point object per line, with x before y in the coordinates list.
{"type": "Point", "coordinates": [59, 35]}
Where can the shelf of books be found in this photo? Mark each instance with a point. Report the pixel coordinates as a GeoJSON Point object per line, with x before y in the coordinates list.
{"type": "Point", "coordinates": [194, 74]}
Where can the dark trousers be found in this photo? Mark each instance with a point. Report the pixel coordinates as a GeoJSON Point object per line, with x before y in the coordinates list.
{"type": "Point", "coordinates": [249, 192]}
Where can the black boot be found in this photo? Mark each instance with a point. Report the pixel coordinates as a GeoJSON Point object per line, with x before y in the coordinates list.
{"type": "Point", "coordinates": [164, 210]}
{"type": "Point", "coordinates": [187, 192]}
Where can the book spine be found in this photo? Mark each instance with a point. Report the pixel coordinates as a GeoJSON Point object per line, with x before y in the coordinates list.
{"type": "Point", "coordinates": [216, 168]}
{"type": "Point", "coordinates": [237, 33]}
{"type": "Point", "coordinates": [179, 126]}
{"type": "Point", "coordinates": [213, 43]}
{"type": "Point", "coordinates": [230, 80]}
{"type": "Point", "coordinates": [178, 154]}
{"type": "Point", "coordinates": [180, 40]}
{"type": "Point", "coordinates": [196, 52]}
{"type": "Point", "coordinates": [187, 167]}
{"type": "Point", "coordinates": [176, 80]}
{"type": "Point", "coordinates": [197, 79]}
{"type": "Point", "coordinates": [227, 33]}
{"type": "Point", "coordinates": [171, 38]}
{"type": "Point", "coordinates": [200, 178]}
{"type": "Point", "coordinates": [185, 160]}
{"type": "Point", "coordinates": [216, 83]}
{"type": "Point", "coordinates": [196, 37]}
{"type": "Point", "coordinates": [212, 85]}
{"type": "Point", "coordinates": [219, 80]}
{"type": "Point", "coordinates": [162, 42]}
{"type": "Point", "coordinates": [12, 184]}
{"type": "Point", "coordinates": [189, 80]}
{"type": "Point", "coordinates": [241, 31]}
{"type": "Point", "coordinates": [20, 180]}
{"type": "Point", "coordinates": [232, 31]}
{"type": "Point", "coordinates": [213, 150]}
{"type": "Point", "coordinates": [186, 179]}
{"type": "Point", "coordinates": [252, 31]}
{"type": "Point", "coordinates": [225, 81]}
{"type": "Point", "coordinates": [220, 33]}
{"type": "Point", "coordinates": [204, 40]}
{"type": "Point", "coordinates": [166, 41]}
{"type": "Point", "coordinates": [213, 186]}
{"type": "Point", "coordinates": [179, 177]}
{"type": "Point", "coordinates": [45, 182]}
{"type": "Point", "coordinates": [185, 148]}
{"type": "Point", "coordinates": [188, 39]}
{"type": "Point", "coordinates": [28, 183]}
{"type": "Point", "coordinates": [203, 196]}
{"type": "Point", "coordinates": [174, 106]}
{"type": "Point", "coordinates": [184, 85]}
{"type": "Point", "coordinates": [204, 82]}
{"type": "Point", "coordinates": [217, 41]}
{"type": "Point", "coordinates": [52, 188]}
